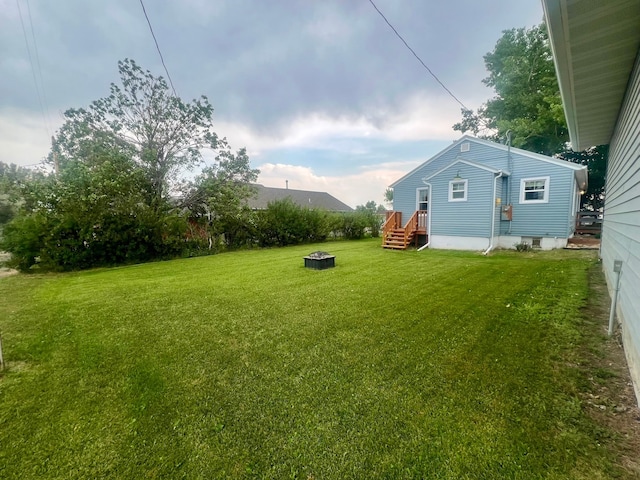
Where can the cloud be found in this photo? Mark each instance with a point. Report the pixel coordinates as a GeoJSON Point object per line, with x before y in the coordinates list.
{"type": "Point", "coordinates": [23, 136]}
{"type": "Point", "coordinates": [417, 118]}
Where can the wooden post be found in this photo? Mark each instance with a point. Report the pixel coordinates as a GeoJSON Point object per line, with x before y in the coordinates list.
{"type": "Point", "coordinates": [1, 357]}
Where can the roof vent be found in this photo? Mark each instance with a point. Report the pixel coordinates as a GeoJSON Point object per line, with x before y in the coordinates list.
{"type": "Point", "coordinates": [465, 147]}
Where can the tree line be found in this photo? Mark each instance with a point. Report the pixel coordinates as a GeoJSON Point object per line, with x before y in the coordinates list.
{"type": "Point", "coordinates": [116, 190]}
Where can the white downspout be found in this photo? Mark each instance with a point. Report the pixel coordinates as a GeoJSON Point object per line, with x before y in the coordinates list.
{"type": "Point", "coordinates": [426, 245]}
{"type": "Point", "coordinates": [493, 211]}
{"type": "Point", "coordinates": [510, 179]}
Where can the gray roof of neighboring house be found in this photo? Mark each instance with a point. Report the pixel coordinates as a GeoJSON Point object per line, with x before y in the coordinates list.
{"type": "Point", "coordinates": [303, 198]}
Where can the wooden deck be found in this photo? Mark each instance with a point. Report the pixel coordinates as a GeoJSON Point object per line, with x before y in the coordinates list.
{"type": "Point", "coordinates": [399, 237]}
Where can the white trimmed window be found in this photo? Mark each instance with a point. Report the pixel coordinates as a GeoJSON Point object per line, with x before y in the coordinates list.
{"type": "Point", "coordinates": [534, 190]}
{"type": "Point", "coordinates": [423, 199]}
{"type": "Point", "coordinates": [458, 190]}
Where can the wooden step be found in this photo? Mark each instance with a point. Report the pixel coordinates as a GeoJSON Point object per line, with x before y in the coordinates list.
{"type": "Point", "coordinates": [399, 242]}
{"type": "Point", "coordinates": [394, 247]}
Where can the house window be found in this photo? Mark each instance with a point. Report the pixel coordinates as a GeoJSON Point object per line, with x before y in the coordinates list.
{"type": "Point", "coordinates": [534, 190]}
{"type": "Point", "coordinates": [423, 199]}
{"type": "Point", "coordinates": [458, 191]}
{"type": "Point", "coordinates": [535, 242]}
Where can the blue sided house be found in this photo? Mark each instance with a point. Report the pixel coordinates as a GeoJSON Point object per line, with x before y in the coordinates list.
{"type": "Point", "coordinates": [481, 195]}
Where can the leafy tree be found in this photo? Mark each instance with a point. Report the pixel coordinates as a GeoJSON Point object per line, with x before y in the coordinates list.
{"type": "Point", "coordinates": [142, 119]}
{"type": "Point", "coordinates": [92, 215]}
{"type": "Point", "coordinates": [370, 217]}
{"type": "Point", "coordinates": [388, 196]}
{"type": "Point", "coordinates": [12, 179]}
{"type": "Point", "coordinates": [218, 196]}
{"type": "Point", "coordinates": [528, 105]}
{"type": "Point", "coordinates": [23, 237]}
{"type": "Point", "coordinates": [116, 164]}
{"type": "Point", "coordinates": [595, 158]}
{"type": "Point", "coordinates": [527, 101]}
{"type": "Point", "coordinates": [11, 174]}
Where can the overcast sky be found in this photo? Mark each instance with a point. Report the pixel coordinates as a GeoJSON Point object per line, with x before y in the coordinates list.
{"type": "Point", "coordinates": [321, 92]}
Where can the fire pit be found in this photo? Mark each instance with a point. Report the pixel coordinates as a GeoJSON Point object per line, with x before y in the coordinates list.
{"type": "Point", "coordinates": [320, 260]}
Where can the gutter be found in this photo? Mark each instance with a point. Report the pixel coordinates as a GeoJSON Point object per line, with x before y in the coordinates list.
{"type": "Point", "coordinates": [493, 212]}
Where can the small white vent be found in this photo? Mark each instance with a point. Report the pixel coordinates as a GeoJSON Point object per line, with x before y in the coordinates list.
{"type": "Point", "coordinates": [465, 147]}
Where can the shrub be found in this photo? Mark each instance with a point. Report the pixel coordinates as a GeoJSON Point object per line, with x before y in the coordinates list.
{"type": "Point", "coordinates": [285, 223]}
{"type": "Point", "coordinates": [355, 225]}
{"type": "Point", "coordinates": [23, 237]}
{"type": "Point", "coordinates": [523, 247]}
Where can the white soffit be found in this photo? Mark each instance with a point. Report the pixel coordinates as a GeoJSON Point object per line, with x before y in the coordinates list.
{"type": "Point", "coordinates": [595, 44]}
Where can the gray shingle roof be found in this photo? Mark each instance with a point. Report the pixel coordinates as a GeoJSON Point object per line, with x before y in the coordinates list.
{"type": "Point", "coordinates": [303, 198]}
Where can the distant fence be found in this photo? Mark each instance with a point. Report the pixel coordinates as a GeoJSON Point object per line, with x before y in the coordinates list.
{"type": "Point", "coordinates": [588, 223]}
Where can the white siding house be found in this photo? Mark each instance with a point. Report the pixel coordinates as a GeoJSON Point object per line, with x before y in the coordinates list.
{"type": "Point", "coordinates": [596, 50]}
{"type": "Point", "coordinates": [479, 195]}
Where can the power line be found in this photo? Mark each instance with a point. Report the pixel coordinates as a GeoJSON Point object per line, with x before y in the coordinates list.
{"type": "Point", "coordinates": [35, 47]}
{"type": "Point", "coordinates": [158, 48]}
{"type": "Point", "coordinates": [416, 55]}
{"type": "Point", "coordinates": [33, 70]}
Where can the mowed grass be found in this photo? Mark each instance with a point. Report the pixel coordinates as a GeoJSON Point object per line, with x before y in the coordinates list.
{"type": "Point", "coordinates": [436, 364]}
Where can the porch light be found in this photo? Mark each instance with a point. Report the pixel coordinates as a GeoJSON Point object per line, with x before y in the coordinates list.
{"type": "Point", "coordinates": [457, 177]}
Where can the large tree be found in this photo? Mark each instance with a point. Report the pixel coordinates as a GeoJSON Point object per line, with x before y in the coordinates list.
{"type": "Point", "coordinates": [142, 119]}
{"type": "Point", "coordinates": [527, 104]}
{"type": "Point", "coordinates": [527, 100]}
{"type": "Point", "coordinates": [116, 163]}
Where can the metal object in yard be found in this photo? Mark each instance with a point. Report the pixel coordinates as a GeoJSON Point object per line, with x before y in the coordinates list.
{"type": "Point", "coordinates": [617, 268]}
{"type": "Point", "coordinates": [320, 260]}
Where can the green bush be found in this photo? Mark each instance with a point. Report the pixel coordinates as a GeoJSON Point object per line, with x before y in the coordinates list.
{"type": "Point", "coordinates": [355, 225]}
{"type": "Point", "coordinates": [285, 223]}
{"type": "Point", "coordinates": [523, 247]}
{"type": "Point", "coordinates": [93, 215]}
{"type": "Point", "coordinates": [23, 237]}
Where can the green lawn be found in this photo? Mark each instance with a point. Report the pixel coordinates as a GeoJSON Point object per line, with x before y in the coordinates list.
{"type": "Point", "coordinates": [247, 365]}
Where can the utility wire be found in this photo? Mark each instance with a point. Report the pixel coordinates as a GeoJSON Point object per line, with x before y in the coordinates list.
{"type": "Point", "coordinates": [33, 70]}
{"type": "Point", "coordinates": [158, 48]}
{"type": "Point", "coordinates": [35, 47]}
{"type": "Point", "coordinates": [416, 55]}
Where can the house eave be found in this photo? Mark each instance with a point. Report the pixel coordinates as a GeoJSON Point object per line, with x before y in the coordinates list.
{"type": "Point", "coordinates": [595, 46]}
{"type": "Point", "coordinates": [466, 162]}
{"type": "Point", "coordinates": [582, 178]}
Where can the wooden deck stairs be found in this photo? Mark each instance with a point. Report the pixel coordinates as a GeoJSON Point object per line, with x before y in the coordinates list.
{"type": "Point", "coordinates": [396, 236]}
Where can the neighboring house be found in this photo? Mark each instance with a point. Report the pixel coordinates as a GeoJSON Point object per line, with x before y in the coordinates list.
{"type": "Point", "coordinates": [596, 49]}
{"type": "Point", "coordinates": [303, 198]}
{"type": "Point", "coordinates": [480, 195]}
